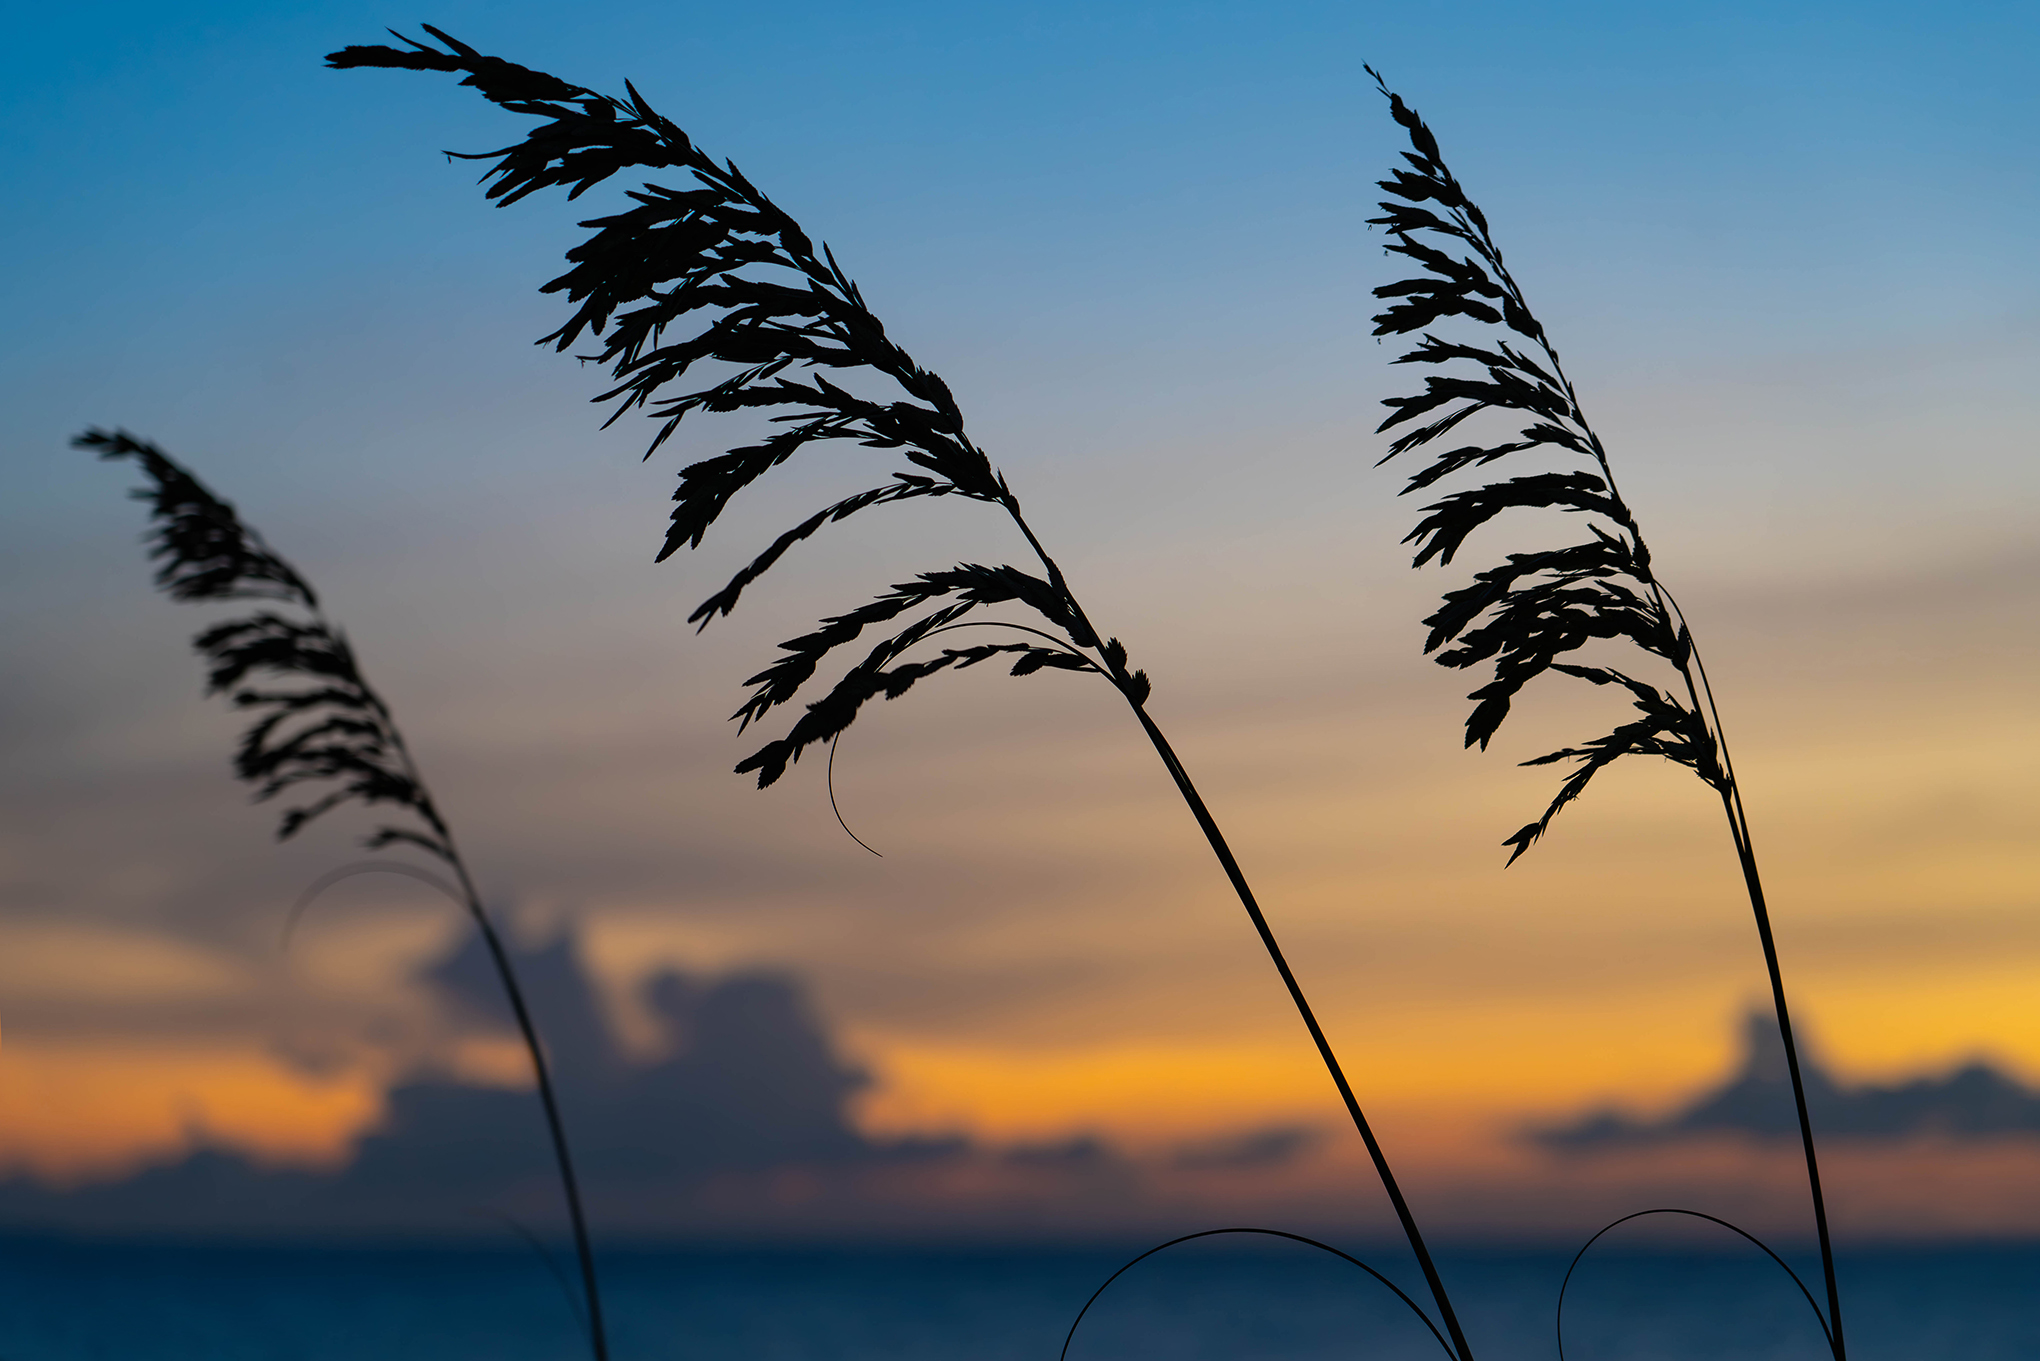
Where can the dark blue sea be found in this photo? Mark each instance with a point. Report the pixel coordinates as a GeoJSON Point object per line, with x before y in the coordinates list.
{"type": "Point", "coordinates": [64, 1300]}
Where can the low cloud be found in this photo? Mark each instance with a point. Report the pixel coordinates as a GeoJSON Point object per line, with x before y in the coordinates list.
{"type": "Point", "coordinates": [738, 1125]}
{"type": "Point", "coordinates": [1083, 1151]}
{"type": "Point", "coordinates": [749, 1082]}
{"type": "Point", "coordinates": [1974, 1101]}
{"type": "Point", "coordinates": [1276, 1146]}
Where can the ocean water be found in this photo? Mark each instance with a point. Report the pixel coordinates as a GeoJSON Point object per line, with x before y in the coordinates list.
{"type": "Point", "coordinates": [79, 1301]}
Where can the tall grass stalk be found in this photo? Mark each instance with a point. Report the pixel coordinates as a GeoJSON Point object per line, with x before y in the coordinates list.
{"type": "Point", "coordinates": [1520, 617]}
{"type": "Point", "coordinates": [334, 733]}
{"type": "Point", "coordinates": [710, 270]}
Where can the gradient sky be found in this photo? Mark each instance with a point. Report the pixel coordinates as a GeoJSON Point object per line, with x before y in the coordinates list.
{"type": "Point", "coordinates": [1786, 250]}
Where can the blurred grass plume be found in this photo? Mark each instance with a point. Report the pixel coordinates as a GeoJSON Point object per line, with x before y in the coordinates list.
{"type": "Point", "coordinates": [332, 731]}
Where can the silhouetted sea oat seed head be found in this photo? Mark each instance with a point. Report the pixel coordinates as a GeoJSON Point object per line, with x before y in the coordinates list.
{"type": "Point", "coordinates": [331, 731]}
{"type": "Point", "coordinates": [712, 272]}
{"type": "Point", "coordinates": [317, 721]}
{"type": "Point", "coordinates": [202, 549]}
{"type": "Point", "coordinates": [1519, 618]}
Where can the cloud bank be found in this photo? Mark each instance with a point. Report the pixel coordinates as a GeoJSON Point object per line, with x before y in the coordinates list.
{"type": "Point", "coordinates": [1974, 1101]}
{"type": "Point", "coordinates": [741, 1125]}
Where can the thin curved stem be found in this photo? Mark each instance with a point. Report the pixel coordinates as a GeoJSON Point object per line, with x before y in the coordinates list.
{"type": "Point", "coordinates": [1732, 806]}
{"type": "Point", "coordinates": [471, 899]}
{"type": "Point", "coordinates": [830, 781]}
{"type": "Point", "coordinates": [1061, 644]}
{"type": "Point", "coordinates": [1558, 1321]}
{"type": "Point", "coordinates": [1055, 577]}
{"type": "Point", "coordinates": [598, 1340]}
{"type": "Point", "coordinates": [1414, 1307]}
{"type": "Point", "coordinates": [1700, 691]}
{"type": "Point", "coordinates": [552, 1267]}
{"type": "Point", "coordinates": [1233, 873]}
{"type": "Point", "coordinates": [1116, 672]}
{"type": "Point", "coordinates": [332, 877]}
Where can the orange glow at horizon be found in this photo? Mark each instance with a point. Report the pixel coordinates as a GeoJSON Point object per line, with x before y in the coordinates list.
{"type": "Point", "coordinates": [79, 1112]}
{"type": "Point", "coordinates": [1047, 950]}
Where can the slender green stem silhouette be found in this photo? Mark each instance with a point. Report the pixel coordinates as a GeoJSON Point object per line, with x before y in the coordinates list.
{"type": "Point", "coordinates": [338, 730]}
{"type": "Point", "coordinates": [1521, 616]}
{"type": "Point", "coordinates": [715, 273]}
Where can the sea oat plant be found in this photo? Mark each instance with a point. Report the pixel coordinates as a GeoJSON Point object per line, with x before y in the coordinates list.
{"type": "Point", "coordinates": [1520, 617]}
{"type": "Point", "coordinates": [331, 732]}
{"type": "Point", "coordinates": [708, 271]}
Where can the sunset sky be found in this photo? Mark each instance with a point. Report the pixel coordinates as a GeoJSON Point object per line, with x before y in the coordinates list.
{"type": "Point", "coordinates": [1786, 251]}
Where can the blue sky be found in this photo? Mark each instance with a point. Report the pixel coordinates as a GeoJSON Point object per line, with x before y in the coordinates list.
{"type": "Point", "coordinates": [1051, 198]}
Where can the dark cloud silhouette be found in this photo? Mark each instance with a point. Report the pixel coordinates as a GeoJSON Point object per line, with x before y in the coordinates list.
{"type": "Point", "coordinates": [1276, 1146]}
{"type": "Point", "coordinates": [738, 1127]}
{"type": "Point", "coordinates": [1973, 1101]}
{"type": "Point", "coordinates": [1082, 1151]}
{"type": "Point", "coordinates": [751, 1082]}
